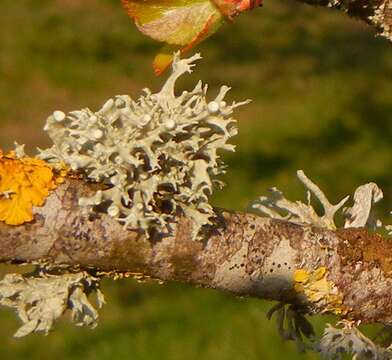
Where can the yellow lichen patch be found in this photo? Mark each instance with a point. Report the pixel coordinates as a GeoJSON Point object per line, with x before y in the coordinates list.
{"type": "Point", "coordinates": [24, 182]}
{"type": "Point", "coordinates": [117, 275]}
{"type": "Point", "coordinates": [319, 290]}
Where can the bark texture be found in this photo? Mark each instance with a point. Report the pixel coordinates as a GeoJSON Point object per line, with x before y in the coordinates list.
{"type": "Point", "coordinates": [243, 254]}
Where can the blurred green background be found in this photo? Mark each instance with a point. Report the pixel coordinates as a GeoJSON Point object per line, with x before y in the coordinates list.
{"type": "Point", "coordinates": [321, 86]}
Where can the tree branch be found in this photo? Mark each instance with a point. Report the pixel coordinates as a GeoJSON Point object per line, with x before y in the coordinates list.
{"type": "Point", "coordinates": [151, 165]}
{"type": "Point", "coordinates": [376, 13]}
{"type": "Point", "coordinates": [244, 254]}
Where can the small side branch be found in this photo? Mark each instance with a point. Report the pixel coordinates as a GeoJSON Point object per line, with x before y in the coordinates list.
{"type": "Point", "coordinates": [376, 13]}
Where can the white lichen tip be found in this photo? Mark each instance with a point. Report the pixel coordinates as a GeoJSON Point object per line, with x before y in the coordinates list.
{"type": "Point", "coordinates": [159, 155]}
{"type": "Point", "coordinates": [359, 215]}
{"type": "Point", "coordinates": [179, 67]}
{"type": "Point", "coordinates": [59, 116]}
{"type": "Point", "coordinates": [19, 150]}
{"type": "Point", "coordinates": [277, 206]}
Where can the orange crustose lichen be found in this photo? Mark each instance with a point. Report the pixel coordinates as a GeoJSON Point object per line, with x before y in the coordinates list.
{"type": "Point", "coordinates": [24, 182]}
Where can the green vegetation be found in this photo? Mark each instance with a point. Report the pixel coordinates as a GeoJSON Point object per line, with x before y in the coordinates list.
{"type": "Point", "coordinates": [322, 98]}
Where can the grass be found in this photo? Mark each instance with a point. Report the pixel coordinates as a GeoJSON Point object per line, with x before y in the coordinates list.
{"type": "Point", "coordinates": [322, 99]}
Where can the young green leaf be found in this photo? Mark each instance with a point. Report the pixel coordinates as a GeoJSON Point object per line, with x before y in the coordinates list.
{"type": "Point", "coordinates": [182, 24]}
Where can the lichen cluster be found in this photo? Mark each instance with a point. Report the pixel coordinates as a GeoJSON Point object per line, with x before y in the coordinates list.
{"type": "Point", "coordinates": [347, 339]}
{"type": "Point", "coordinates": [40, 299]}
{"type": "Point", "coordinates": [359, 215]}
{"type": "Point", "coordinates": [320, 293]}
{"type": "Point", "coordinates": [158, 155]}
{"type": "Point", "coordinates": [277, 206]}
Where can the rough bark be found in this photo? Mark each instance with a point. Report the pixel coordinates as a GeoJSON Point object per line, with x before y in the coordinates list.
{"type": "Point", "coordinates": [376, 13]}
{"type": "Point", "coordinates": [243, 254]}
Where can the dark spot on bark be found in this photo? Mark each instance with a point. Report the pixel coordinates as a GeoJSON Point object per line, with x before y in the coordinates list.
{"type": "Point", "coordinates": [259, 247]}
{"type": "Point", "coordinates": [17, 262]}
{"type": "Point", "coordinates": [39, 218]}
{"type": "Point", "coordinates": [92, 216]}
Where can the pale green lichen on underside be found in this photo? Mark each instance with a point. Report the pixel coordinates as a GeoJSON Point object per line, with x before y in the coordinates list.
{"type": "Point", "coordinates": [158, 154]}
{"type": "Point", "coordinates": [41, 298]}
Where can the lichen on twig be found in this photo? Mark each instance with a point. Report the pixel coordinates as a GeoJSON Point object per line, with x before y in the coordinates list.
{"type": "Point", "coordinates": [278, 207]}
{"type": "Point", "coordinates": [41, 298]}
{"type": "Point", "coordinates": [158, 155]}
{"type": "Point", "coordinates": [360, 214]}
{"type": "Point", "coordinates": [347, 338]}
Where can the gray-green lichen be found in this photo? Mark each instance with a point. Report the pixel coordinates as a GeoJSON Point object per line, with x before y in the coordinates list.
{"type": "Point", "coordinates": [277, 206]}
{"type": "Point", "coordinates": [40, 299]}
{"type": "Point", "coordinates": [359, 215]}
{"type": "Point", "coordinates": [347, 339]}
{"type": "Point", "coordinates": [158, 155]}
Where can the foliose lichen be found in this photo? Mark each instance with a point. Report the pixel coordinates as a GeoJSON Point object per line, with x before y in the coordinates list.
{"type": "Point", "coordinates": [360, 215]}
{"type": "Point", "coordinates": [41, 298]}
{"type": "Point", "coordinates": [348, 339]}
{"type": "Point", "coordinates": [277, 206]}
{"type": "Point", "coordinates": [157, 156]}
